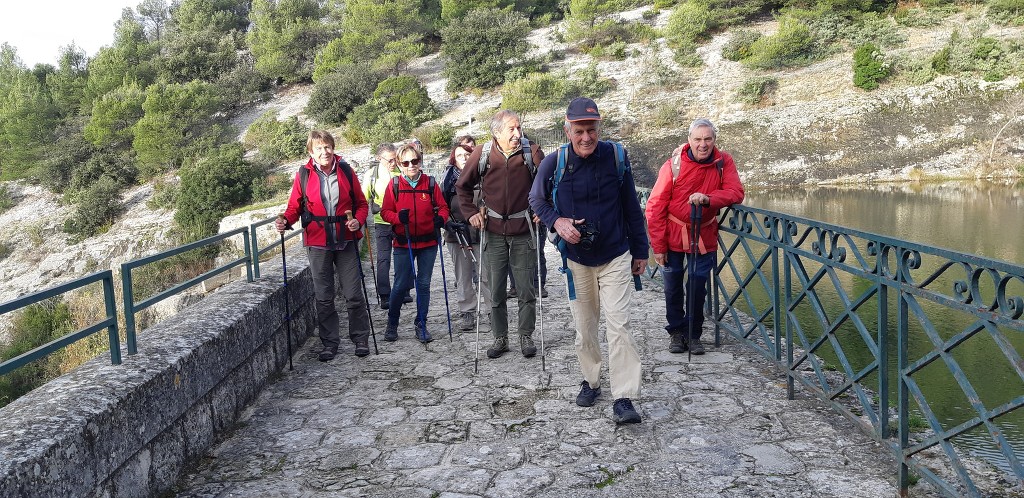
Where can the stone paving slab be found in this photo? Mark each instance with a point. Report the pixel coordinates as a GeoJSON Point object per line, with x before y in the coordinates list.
{"type": "Point", "coordinates": [419, 421]}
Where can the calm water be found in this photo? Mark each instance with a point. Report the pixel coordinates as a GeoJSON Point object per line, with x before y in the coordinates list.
{"type": "Point", "coordinates": [981, 218]}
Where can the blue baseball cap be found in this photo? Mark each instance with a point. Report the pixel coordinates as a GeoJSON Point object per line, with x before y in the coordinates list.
{"type": "Point", "coordinates": [582, 109]}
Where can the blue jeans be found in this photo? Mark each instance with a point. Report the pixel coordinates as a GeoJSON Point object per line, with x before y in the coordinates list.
{"type": "Point", "coordinates": [425, 258]}
{"type": "Point", "coordinates": [674, 272]}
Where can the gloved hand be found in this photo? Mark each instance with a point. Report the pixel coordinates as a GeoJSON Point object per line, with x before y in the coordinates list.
{"type": "Point", "coordinates": [438, 221]}
{"type": "Point", "coordinates": [403, 216]}
{"type": "Point", "coordinates": [453, 226]}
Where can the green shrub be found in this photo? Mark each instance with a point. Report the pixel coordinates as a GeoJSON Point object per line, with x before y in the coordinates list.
{"type": "Point", "coordinates": [881, 31]}
{"type": "Point", "coordinates": [165, 195]}
{"type": "Point", "coordinates": [210, 187]}
{"type": "Point", "coordinates": [589, 83]}
{"type": "Point", "coordinates": [117, 166]}
{"type": "Point", "coordinates": [97, 208]}
{"type": "Point", "coordinates": [755, 89]}
{"type": "Point", "coordinates": [436, 136]}
{"type": "Point", "coordinates": [336, 94]}
{"type": "Point", "coordinates": [689, 23]}
{"type": "Point", "coordinates": [481, 47]}
{"type": "Point", "coordinates": [617, 50]}
{"type": "Point", "coordinates": [686, 55]}
{"type": "Point", "coordinates": [398, 105]}
{"type": "Point", "coordinates": [915, 17]}
{"type": "Point", "coordinates": [868, 67]}
{"type": "Point", "coordinates": [6, 199]}
{"type": "Point", "coordinates": [1007, 11]}
{"type": "Point", "coordinates": [738, 46]}
{"type": "Point", "coordinates": [265, 189]}
{"type": "Point", "coordinates": [662, 5]}
{"type": "Point", "coordinates": [6, 249]}
{"type": "Point", "coordinates": [32, 327]}
{"type": "Point", "coordinates": [792, 45]}
{"type": "Point", "coordinates": [534, 92]}
{"type": "Point", "coordinates": [277, 140]}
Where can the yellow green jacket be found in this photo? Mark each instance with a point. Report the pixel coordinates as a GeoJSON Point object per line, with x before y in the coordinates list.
{"type": "Point", "coordinates": [376, 183]}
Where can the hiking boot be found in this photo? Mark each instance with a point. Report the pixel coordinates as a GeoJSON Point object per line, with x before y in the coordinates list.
{"type": "Point", "coordinates": [624, 413]}
{"type": "Point", "coordinates": [467, 321]}
{"type": "Point", "coordinates": [587, 396]}
{"type": "Point", "coordinates": [327, 354]}
{"type": "Point", "coordinates": [500, 346]}
{"type": "Point", "coordinates": [678, 344]}
{"type": "Point", "coordinates": [422, 334]}
{"type": "Point", "coordinates": [543, 292]}
{"type": "Point", "coordinates": [385, 301]}
{"type": "Point", "coordinates": [391, 333]}
{"type": "Point", "coordinates": [362, 347]}
{"type": "Point", "coordinates": [512, 293]}
{"type": "Point", "coordinates": [527, 347]}
{"type": "Point", "coordinates": [696, 347]}
{"type": "Point", "coordinates": [407, 299]}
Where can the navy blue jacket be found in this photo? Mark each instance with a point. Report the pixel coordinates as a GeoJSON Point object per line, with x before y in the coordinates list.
{"type": "Point", "coordinates": [590, 190]}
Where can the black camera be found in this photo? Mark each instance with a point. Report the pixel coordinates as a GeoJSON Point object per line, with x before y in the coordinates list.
{"type": "Point", "coordinates": [588, 234]}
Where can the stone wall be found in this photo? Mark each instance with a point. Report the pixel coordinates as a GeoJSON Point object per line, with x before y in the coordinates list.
{"type": "Point", "coordinates": [130, 430]}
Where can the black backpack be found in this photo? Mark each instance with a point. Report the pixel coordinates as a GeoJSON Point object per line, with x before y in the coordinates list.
{"type": "Point", "coordinates": [306, 216]}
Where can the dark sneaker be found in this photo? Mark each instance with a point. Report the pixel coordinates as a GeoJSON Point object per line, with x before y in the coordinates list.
{"type": "Point", "coordinates": [587, 396]}
{"type": "Point", "coordinates": [467, 321]}
{"type": "Point", "coordinates": [385, 301]}
{"type": "Point", "coordinates": [407, 299]}
{"type": "Point", "coordinates": [362, 347]}
{"type": "Point", "coordinates": [421, 333]}
{"type": "Point", "coordinates": [696, 347]}
{"type": "Point", "coordinates": [678, 344]}
{"type": "Point", "coordinates": [543, 292]}
{"type": "Point", "coordinates": [512, 293]}
{"type": "Point", "coordinates": [500, 346]}
{"type": "Point", "coordinates": [327, 354]}
{"type": "Point", "coordinates": [624, 413]}
{"type": "Point", "coordinates": [391, 333]}
{"type": "Point", "coordinates": [527, 347]}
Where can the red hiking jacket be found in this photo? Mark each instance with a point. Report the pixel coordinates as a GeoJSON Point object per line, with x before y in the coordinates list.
{"type": "Point", "coordinates": [668, 209]}
{"type": "Point", "coordinates": [421, 211]}
{"type": "Point", "coordinates": [315, 233]}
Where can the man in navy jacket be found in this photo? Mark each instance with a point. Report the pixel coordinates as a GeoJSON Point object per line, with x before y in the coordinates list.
{"type": "Point", "coordinates": [596, 214]}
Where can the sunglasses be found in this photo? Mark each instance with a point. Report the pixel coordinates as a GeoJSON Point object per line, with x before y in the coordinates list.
{"type": "Point", "coordinates": [414, 162]}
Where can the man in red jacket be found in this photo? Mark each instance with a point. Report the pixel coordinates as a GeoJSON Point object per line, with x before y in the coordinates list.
{"type": "Point", "coordinates": [697, 176]}
{"type": "Point", "coordinates": [324, 189]}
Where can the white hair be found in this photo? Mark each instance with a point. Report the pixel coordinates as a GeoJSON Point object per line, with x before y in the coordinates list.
{"type": "Point", "coordinates": [701, 123]}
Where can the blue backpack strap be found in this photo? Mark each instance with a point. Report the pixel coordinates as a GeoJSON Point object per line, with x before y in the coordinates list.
{"type": "Point", "coordinates": [620, 160]}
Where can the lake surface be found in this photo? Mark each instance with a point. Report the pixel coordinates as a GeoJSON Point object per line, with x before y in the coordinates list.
{"type": "Point", "coordinates": [980, 218]}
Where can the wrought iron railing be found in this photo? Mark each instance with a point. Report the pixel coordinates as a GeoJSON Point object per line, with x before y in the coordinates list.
{"type": "Point", "coordinates": [860, 319]}
{"type": "Point", "coordinates": [257, 252]}
{"type": "Point", "coordinates": [109, 322]}
{"type": "Point", "coordinates": [131, 307]}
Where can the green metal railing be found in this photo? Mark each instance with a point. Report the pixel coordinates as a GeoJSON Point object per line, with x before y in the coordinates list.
{"type": "Point", "coordinates": [858, 319]}
{"type": "Point", "coordinates": [257, 252]}
{"type": "Point", "coordinates": [109, 323]}
{"type": "Point", "coordinates": [131, 307]}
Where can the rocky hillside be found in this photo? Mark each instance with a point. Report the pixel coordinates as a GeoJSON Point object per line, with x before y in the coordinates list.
{"type": "Point", "coordinates": [817, 127]}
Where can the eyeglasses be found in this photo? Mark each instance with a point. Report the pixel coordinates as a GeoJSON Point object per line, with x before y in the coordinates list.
{"type": "Point", "coordinates": [413, 162]}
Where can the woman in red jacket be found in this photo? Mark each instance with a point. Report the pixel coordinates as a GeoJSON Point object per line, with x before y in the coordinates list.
{"type": "Point", "coordinates": [697, 176]}
{"type": "Point", "coordinates": [416, 211]}
{"type": "Point", "coordinates": [324, 189]}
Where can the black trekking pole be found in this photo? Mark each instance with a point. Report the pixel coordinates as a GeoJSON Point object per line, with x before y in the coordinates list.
{"type": "Point", "coordinates": [444, 279]}
{"type": "Point", "coordinates": [287, 305]}
{"type": "Point", "coordinates": [695, 220]}
{"type": "Point", "coordinates": [540, 297]}
{"type": "Point", "coordinates": [366, 297]}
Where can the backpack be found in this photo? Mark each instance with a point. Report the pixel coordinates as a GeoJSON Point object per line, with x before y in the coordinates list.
{"type": "Point", "coordinates": [485, 154]}
{"type": "Point", "coordinates": [308, 217]}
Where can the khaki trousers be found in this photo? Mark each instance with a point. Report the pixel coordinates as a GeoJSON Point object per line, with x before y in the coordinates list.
{"type": "Point", "coordinates": [608, 287]}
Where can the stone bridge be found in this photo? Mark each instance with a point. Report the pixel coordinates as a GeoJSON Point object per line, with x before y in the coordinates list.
{"type": "Point", "coordinates": [209, 408]}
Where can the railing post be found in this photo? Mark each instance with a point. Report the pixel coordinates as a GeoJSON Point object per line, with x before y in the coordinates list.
{"type": "Point", "coordinates": [883, 356]}
{"type": "Point", "coordinates": [787, 269]}
{"type": "Point", "coordinates": [777, 306]}
{"type": "Point", "coordinates": [255, 252]}
{"type": "Point", "coordinates": [902, 347]}
{"type": "Point", "coordinates": [111, 308]}
{"type": "Point", "coordinates": [129, 308]}
{"type": "Point", "coordinates": [249, 254]}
